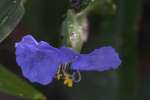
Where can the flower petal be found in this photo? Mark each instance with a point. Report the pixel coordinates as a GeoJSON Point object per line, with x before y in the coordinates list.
{"type": "Point", "coordinates": [28, 40]}
{"type": "Point", "coordinates": [99, 60]}
{"type": "Point", "coordinates": [38, 61]}
{"type": "Point", "coordinates": [68, 54]}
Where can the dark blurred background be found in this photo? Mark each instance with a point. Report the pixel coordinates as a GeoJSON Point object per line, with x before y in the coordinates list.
{"type": "Point", "coordinates": [43, 20]}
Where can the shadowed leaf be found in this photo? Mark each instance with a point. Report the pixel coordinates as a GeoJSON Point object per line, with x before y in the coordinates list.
{"type": "Point", "coordinates": [12, 85]}
{"type": "Point", "coordinates": [11, 12]}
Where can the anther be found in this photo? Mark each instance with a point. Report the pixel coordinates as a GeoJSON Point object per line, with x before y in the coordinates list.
{"type": "Point", "coordinates": [68, 77]}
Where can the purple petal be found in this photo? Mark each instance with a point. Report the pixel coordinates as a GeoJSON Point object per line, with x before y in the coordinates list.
{"type": "Point", "coordinates": [68, 54]}
{"type": "Point", "coordinates": [28, 40]}
{"type": "Point", "coordinates": [99, 60]}
{"type": "Point", "coordinates": [38, 61]}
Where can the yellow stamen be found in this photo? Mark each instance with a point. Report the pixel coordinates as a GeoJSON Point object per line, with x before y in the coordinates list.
{"type": "Point", "coordinates": [59, 76]}
{"type": "Point", "coordinates": [68, 81]}
{"type": "Point", "coordinates": [69, 78]}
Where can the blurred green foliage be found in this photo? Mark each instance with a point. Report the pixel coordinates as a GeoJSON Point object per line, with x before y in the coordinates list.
{"type": "Point", "coordinates": [13, 85]}
{"type": "Point", "coordinates": [126, 30]}
{"type": "Point", "coordinates": [11, 12]}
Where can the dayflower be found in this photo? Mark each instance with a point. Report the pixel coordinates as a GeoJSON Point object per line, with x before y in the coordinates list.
{"type": "Point", "coordinates": [41, 63]}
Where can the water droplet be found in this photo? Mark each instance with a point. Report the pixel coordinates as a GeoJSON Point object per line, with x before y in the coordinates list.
{"type": "Point", "coordinates": [73, 34]}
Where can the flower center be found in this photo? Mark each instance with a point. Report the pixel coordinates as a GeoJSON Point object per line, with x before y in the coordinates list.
{"type": "Point", "coordinates": [67, 75]}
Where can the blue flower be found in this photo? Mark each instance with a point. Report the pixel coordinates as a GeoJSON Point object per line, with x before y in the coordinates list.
{"type": "Point", "coordinates": [41, 63]}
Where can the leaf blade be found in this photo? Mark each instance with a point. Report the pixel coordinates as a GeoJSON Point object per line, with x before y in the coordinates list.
{"type": "Point", "coordinates": [10, 15]}
{"type": "Point", "coordinates": [12, 85]}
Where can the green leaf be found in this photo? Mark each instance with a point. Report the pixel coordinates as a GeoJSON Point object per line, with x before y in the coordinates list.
{"type": "Point", "coordinates": [13, 85]}
{"type": "Point", "coordinates": [11, 12]}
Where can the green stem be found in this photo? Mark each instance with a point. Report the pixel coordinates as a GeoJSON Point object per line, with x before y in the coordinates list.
{"type": "Point", "coordinates": [74, 30]}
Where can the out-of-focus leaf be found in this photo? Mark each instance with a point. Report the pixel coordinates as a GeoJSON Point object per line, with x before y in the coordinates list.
{"type": "Point", "coordinates": [44, 18]}
{"type": "Point", "coordinates": [126, 39]}
{"type": "Point", "coordinates": [11, 12]}
{"type": "Point", "coordinates": [102, 7]}
{"type": "Point", "coordinates": [12, 85]}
